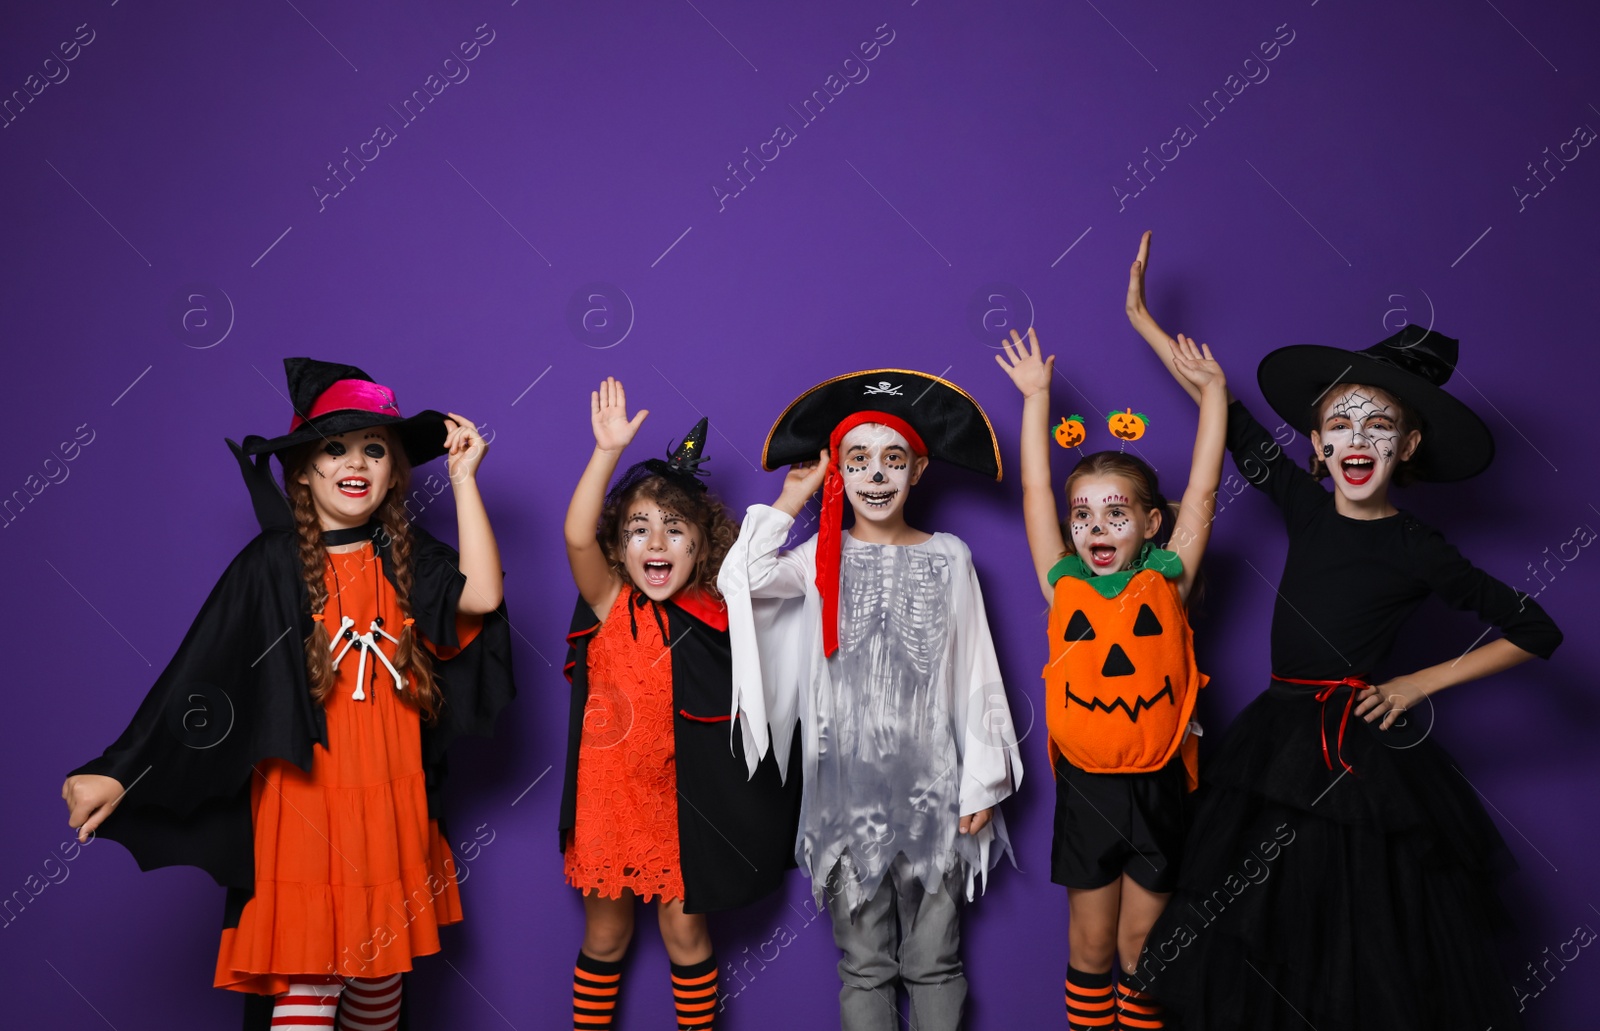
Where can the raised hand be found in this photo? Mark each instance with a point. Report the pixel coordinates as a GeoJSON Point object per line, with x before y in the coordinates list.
{"type": "Point", "coordinates": [1022, 363]}
{"type": "Point", "coordinates": [465, 446]}
{"type": "Point", "coordinates": [1138, 314]}
{"type": "Point", "coordinates": [1194, 364]}
{"type": "Point", "coordinates": [802, 480]}
{"type": "Point", "coordinates": [608, 412]}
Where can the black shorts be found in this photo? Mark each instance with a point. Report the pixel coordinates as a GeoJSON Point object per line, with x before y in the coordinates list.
{"type": "Point", "coordinates": [1108, 824]}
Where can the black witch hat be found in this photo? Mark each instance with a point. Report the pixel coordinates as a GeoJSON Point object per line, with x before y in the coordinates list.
{"type": "Point", "coordinates": [682, 465]}
{"type": "Point", "coordinates": [1412, 365]}
{"type": "Point", "coordinates": [329, 398]}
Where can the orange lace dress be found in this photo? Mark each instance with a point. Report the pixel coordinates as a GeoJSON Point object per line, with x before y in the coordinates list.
{"type": "Point", "coordinates": [625, 837]}
{"type": "Point", "coordinates": [352, 877]}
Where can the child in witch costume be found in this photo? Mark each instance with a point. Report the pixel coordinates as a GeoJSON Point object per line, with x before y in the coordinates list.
{"type": "Point", "coordinates": [310, 788]}
{"type": "Point", "coordinates": [649, 725]}
{"type": "Point", "coordinates": [1372, 902]}
{"type": "Point", "coordinates": [1121, 685]}
{"type": "Point", "coordinates": [876, 639]}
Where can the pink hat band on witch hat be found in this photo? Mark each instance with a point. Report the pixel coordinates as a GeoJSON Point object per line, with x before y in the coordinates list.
{"type": "Point", "coordinates": [330, 398]}
{"type": "Point", "coordinates": [350, 395]}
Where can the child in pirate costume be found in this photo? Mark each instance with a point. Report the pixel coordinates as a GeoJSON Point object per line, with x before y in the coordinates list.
{"type": "Point", "coordinates": [336, 660]}
{"type": "Point", "coordinates": [656, 803]}
{"type": "Point", "coordinates": [1370, 899]}
{"type": "Point", "coordinates": [876, 639]}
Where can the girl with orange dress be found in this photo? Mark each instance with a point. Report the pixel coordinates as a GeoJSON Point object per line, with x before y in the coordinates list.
{"type": "Point", "coordinates": [306, 778]}
{"type": "Point", "coordinates": [650, 726]}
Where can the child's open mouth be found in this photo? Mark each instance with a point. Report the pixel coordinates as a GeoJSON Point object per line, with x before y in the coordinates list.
{"type": "Point", "coordinates": [354, 487]}
{"type": "Point", "coordinates": [1102, 555]}
{"type": "Point", "coordinates": [1357, 470]}
{"type": "Point", "coordinates": [657, 572]}
{"type": "Point", "coordinates": [877, 498]}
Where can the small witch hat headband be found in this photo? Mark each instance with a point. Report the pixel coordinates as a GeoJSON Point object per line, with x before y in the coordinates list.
{"type": "Point", "coordinates": [682, 465]}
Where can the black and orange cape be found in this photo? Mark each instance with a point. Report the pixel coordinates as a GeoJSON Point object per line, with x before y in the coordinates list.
{"type": "Point", "coordinates": [736, 832]}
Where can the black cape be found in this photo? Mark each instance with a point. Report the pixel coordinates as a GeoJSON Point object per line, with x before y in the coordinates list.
{"type": "Point", "coordinates": [736, 833]}
{"type": "Point", "coordinates": [236, 694]}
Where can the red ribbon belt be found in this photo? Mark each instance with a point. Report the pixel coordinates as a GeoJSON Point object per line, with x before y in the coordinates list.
{"type": "Point", "coordinates": [1355, 684]}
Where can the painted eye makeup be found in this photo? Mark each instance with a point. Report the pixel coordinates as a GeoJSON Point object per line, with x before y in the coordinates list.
{"type": "Point", "coordinates": [334, 448]}
{"type": "Point", "coordinates": [375, 450]}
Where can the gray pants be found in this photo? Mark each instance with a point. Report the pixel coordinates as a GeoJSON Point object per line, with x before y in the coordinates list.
{"type": "Point", "coordinates": [901, 934]}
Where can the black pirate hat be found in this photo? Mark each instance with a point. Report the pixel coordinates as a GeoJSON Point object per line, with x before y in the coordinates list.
{"type": "Point", "coordinates": [330, 399]}
{"type": "Point", "coordinates": [951, 424]}
{"type": "Point", "coordinates": [1412, 365]}
{"type": "Point", "coordinates": [937, 418]}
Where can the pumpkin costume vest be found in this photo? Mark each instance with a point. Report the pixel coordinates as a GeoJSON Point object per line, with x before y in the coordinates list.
{"type": "Point", "coordinates": [1121, 684]}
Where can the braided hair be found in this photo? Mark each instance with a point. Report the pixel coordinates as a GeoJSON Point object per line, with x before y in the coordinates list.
{"type": "Point", "coordinates": [410, 658]}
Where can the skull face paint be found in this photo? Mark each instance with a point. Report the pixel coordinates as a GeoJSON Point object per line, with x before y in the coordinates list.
{"type": "Point", "coordinates": [878, 467]}
{"type": "Point", "coordinates": [1108, 528]}
{"type": "Point", "coordinates": [1360, 441]}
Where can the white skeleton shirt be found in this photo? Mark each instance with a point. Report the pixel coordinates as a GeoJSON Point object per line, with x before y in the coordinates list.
{"type": "Point", "coordinates": [903, 731]}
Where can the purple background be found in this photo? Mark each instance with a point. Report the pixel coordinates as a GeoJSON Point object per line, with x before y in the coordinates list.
{"type": "Point", "coordinates": [165, 249]}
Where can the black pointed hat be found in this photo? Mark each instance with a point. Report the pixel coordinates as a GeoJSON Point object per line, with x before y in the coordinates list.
{"type": "Point", "coordinates": [682, 465]}
{"type": "Point", "coordinates": [1413, 365]}
{"type": "Point", "coordinates": [329, 399]}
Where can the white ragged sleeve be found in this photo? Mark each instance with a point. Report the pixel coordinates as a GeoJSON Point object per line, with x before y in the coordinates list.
{"type": "Point", "coordinates": [991, 762]}
{"type": "Point", "coordinates": [765, 589]}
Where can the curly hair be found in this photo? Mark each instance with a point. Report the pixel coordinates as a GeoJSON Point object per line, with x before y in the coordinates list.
{"type": "Point", "coordinates": [718, 530]}
{"type": "Point", "coordinates": [410, 657]}
{"type": "Point", "coordinates": [1407, 420]}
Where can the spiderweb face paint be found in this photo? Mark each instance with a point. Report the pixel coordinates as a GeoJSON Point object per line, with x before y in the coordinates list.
{"type": "Point", "coordinates": [1361, 442]}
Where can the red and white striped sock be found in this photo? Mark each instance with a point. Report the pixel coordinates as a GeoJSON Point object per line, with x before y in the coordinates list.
{"type": "Point", "coordinates": [370, 1004]}
{"type": "Point", "coordinates": [307, 1005]}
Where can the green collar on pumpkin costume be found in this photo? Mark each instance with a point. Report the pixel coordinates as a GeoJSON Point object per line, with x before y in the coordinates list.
{"type": "Point", "coordinates": [1165, 562]}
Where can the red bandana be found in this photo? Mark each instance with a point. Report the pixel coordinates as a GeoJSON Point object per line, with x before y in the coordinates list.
{"type": "Point", "coordinates": [828, 534]}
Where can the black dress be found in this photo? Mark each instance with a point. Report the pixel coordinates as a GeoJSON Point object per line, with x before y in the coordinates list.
{"type": "Point", "coordinates": [1337, 874]}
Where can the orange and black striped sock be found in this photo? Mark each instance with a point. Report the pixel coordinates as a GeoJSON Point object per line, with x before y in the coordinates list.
{"type": "Point", "coordinates": [694, 990]}
{"type": "Point", "coordinates": [1136, 1010]}
{"type": "Point", "coordinates": [1090, 1006]}
{"type": "Point", "coordinates": [595, 984]}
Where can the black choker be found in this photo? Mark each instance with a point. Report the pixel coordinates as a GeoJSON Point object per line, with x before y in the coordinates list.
{"type": "Point", "coordinates": [353, 535]}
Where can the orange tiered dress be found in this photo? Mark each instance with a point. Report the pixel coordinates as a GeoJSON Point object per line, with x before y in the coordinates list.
{"type": "Point", "coordinates": [352, 877]}
{"type": "Point", "coordinates": [625, 833]}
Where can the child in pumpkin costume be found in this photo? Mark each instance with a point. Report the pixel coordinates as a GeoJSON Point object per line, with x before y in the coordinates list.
{"type": "Point", "coordinates": [876, 637]}
{"type": "Point", "coordinates": [1121, 684]}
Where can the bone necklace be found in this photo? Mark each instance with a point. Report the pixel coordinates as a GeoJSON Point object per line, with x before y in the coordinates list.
{"type": "Point", "coordinates": [365, 643]}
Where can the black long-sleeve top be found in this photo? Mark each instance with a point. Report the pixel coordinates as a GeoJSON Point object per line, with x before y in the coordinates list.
{"type": "Point", "coordinates": [1350, 584]}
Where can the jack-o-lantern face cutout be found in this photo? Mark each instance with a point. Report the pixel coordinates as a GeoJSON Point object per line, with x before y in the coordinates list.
{"type": "Point", "coordinates": [1127, 424]}
{"type": "Point", "coordinates": [1119, 663]}
{"type": "Point", "coordinates": [1070, 433]}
